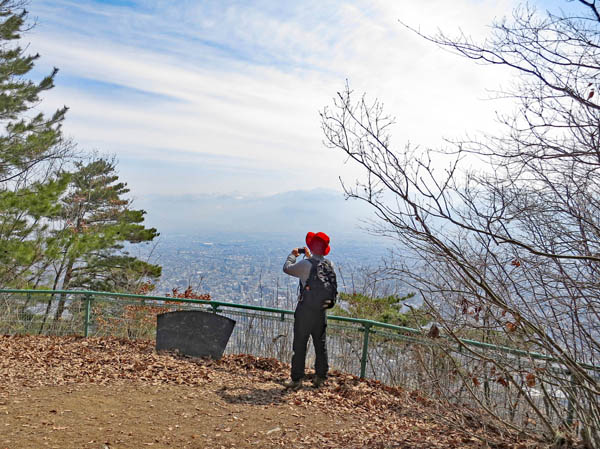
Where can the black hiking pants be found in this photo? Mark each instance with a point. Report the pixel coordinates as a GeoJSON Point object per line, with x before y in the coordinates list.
{"type": "Point", "coordinates": [309, 322]}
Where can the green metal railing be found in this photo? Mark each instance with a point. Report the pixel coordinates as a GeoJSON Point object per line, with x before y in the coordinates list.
{"type": "Point", "coordinates": [368, 327]}
{"type": "Point", "coordinates": [394, 354]}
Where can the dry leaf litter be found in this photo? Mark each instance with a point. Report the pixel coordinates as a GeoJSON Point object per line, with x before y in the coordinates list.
{"type": "Point", "coordinates": [74, 392]}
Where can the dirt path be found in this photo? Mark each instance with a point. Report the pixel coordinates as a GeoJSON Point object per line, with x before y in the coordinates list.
{"type": "Point", "coordinates": [71, 392]}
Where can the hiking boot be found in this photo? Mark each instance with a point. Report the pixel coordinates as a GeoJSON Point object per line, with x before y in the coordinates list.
{"type": "Point", "coordinates": [318, 381]}
{"type": "Point", "coordinates": [293, 385]}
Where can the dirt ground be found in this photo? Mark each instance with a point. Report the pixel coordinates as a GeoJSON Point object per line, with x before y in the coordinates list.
{"type": "Point", "coordinates": [71, 392]}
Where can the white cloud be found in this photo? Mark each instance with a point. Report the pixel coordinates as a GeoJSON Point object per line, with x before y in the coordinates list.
{"type": "Point", "coordinates": [246, 81]}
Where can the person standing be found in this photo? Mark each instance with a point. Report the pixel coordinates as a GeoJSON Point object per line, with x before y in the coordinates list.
{"type": "Point", "coordinates": [310, 317]}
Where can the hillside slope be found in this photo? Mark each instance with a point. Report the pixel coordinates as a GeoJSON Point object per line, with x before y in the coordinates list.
{"type": "Point", "coordinates": [71, 392]}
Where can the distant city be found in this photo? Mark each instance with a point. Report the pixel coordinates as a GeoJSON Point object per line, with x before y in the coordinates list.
{"type": "Point", "coordinates": [246, 268]}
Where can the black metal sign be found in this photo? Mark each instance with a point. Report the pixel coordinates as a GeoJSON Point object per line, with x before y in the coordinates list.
{"type": "Point", "coordinates": [193, 333]}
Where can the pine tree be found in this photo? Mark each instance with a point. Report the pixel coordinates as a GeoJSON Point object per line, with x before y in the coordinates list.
{"type": "Point", "coordinates": [29, 147]}
{"type": "Point", "coordinates": [58, 228]}
{"type": "Point", "coordinates": [97, 222]}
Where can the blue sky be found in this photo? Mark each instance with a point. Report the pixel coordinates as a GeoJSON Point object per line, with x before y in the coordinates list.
{"type": "Point", "coordinates": [223, 96]}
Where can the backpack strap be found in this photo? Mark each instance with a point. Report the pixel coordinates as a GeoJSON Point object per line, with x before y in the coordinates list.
{"type": "Point", "coordinates": [313, 269]}
{"type": "Point", "coordinates": [311, 274]}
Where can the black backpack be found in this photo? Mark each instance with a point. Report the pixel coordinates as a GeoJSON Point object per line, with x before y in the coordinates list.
{"type": "Point", "coordinates": [320, 290]}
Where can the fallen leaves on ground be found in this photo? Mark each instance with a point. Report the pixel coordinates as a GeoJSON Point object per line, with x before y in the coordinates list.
{"type": "Point", "coordinates": [142, 398]}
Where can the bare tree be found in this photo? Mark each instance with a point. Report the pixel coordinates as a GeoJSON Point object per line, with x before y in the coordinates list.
{"type": "Point", "coordinates": [508, 253]}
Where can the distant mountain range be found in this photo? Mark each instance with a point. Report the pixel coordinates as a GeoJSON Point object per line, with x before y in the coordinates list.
{"type": "Point", "coordinates": [289, 212]}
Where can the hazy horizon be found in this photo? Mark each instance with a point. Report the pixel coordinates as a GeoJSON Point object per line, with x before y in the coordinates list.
{"type": "Point", "coordinates": [294, 212]}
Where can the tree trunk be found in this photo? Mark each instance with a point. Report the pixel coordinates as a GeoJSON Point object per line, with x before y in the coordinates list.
{"type": "Point", "coordinates": [47, 312]}
{"type": "Point", "coordinates": [61, 303]}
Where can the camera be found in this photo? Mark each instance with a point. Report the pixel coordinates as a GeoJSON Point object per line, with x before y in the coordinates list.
{"type": "Point", "coordinates": [301, 251]}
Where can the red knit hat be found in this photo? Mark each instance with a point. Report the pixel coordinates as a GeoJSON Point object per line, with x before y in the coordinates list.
{"type": "Point", "coordinates": [318, 243]}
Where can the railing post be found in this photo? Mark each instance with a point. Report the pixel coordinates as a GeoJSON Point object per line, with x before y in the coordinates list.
{"type": "Point", "coordinates": [570, 400]}
{"type": "Point", "coordinates": [88, 312]}
{"type": "Point", "coordinates": [215, 308]}
{"type": "Point", "coordinates": [365, 350]}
